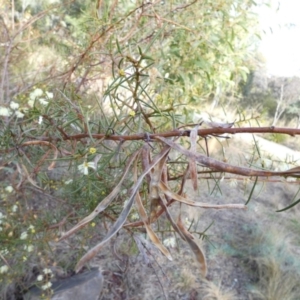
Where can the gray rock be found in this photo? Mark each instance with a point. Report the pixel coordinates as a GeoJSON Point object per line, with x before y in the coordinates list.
{"type": "Point", "coordinates": [87, 286]}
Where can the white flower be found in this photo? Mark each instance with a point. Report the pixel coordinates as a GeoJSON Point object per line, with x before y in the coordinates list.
{"type": "Point", "coordinates": [187, 222]}
{"type": "Point", "coordinates": [14, 208]}
{"type": "Point", "coordinates": [40, 278]}
{"type": "Point", "coordinates": [3, 269]}
{"type": "Point", "coordinates": [31, 228]}
{"type": "Point", "coordinates": [19, 114]}
{"type": "Point", "coordinates": [40, 120]}
{"type": "Point", "coordinates": [31, 103]}
{"type": "Point", "coordinates": [24, 235]}
{"type": "Point", "coordinates": [47, 271]}
{"type": "Point", "coordinates": [68, 181]}
{"type": "Point", "coordinates": [13, 105]}
{"type": "Point", "coordinates": [36, 93]}
{"type": "Point", "coordinates": [125, 202]}
{"type": "Point", "coordinates": [84, 168]}
{"type": "Point", "coordinates": [46, 285]}
{"type": "Point", "coordinates": [29, 248]}
{"type": "Point", "coordinates": [124, 192]}
{"type": "Point", "coordinates": [170, 242]}
{"type": "Point", "coordinates": [233, 182]}
{"type": "Point", "coordinates": [4, 251]}
{"type": "Point", "coordinates": [5, 112]}
{"type": "Point", "coordinates": [135, 216]}
{"type": "Point", "coordinates": [49, 95]}
{"type": "Point", "coordinates": [9, 189]}
{"type": "Point", "coordinates": [43, 101]}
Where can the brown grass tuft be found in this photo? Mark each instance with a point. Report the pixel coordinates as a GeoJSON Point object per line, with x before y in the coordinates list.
{"type": "Point", "coordinates": [212, 291]}
{"type": "Point", "coordinates": [275, 283]}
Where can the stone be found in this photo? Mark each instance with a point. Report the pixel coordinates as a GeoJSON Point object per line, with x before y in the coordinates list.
{"type": "Point", "coordinates": [87, 286]}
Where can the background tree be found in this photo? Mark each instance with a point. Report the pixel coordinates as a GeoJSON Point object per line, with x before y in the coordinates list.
{"type": "Point", "coordinates": [277, 96]}
{"type": "Point", "coordinates": [287, 93]}
{"type": "Point", "coordinates": [293, 111]}
{"type": "Point", "coordinates": [212, 45]}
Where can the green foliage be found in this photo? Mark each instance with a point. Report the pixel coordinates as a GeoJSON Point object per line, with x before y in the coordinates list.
{"type": "Point", "coordinates": [199, 46]}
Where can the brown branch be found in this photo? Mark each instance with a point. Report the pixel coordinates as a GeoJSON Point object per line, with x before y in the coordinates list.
{"type": "Point", "coordinates": [180, 133]}
{"type": "Point", "coordinates": [220, 166]}
{"type": "Point", "coordinates": [174, 133]}
{"type": "Point", "coordinates": [43, 143]}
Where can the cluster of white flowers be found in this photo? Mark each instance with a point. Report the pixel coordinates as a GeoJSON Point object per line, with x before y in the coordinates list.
{"type": "Point", "coordinates": [46, 285]}
{"type": "Point", "coordinates": [14, 208]}
{"type": "Point", "coordinates": [28, 248]}
{"type": "Point", "coordinates": [12, 109]}
{"type": "Point", "coordinates": [24, 234]}
{"type": "Point", "coordinates": [134, 216]}
{"type": "Point", "coordinates": [4, 251]}
{"type": "Point", "coordinates": [5, 111]}
{"type": "Point", "coordinates": [47, 274]}
{"type": "Point", "coordinates": [42, 97]}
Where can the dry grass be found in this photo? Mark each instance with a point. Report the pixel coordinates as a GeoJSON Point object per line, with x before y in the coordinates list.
{"type": "Point", "coordinates": [187, 279]}
{"type": "Point", "coordinates": [275, 283]}
{"type": "Point", "coordinates": [278, 266]}
{"type": "Point", "coordinates": [212, 291]}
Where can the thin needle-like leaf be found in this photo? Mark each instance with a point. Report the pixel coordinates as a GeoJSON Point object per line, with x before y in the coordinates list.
{"type": "Point", "coordinates": [252, 190]}
{"type": "Point", "coordinates": [290, 206]}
